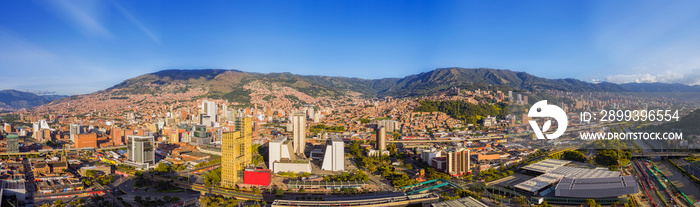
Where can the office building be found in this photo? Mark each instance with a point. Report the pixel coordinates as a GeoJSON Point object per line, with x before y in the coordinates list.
{"type": "Point", "coordinates": [334, 157]}
{"type": "Point", "coordinates": [299, 142]}
{"type": "Point", "coordinates": [87, 140]}
{"type": "Point", "coordinates": [12, 143]}
{"type": "Point", "coordinates": [141, 151]}
{"type": "Point", "coordinates": [510, 95]}
{"type": "Point", "coordinates": [174, 136]}
{"type": "Point", "coordinates": [236, 151]}
{"type": "Point", "coordinates": [380, 146]}
{"type": "Point", "coordinates": [7, 128]}
{"type": "Point", "coordinates": [74, 129]}
{"type": "Point", "coordinates": [116, 134]}
{"type": "Point", "coordinates": [200, 136]}
{"type": "Point", "coordinates": [281, 160]}
{"type": "Point", "coordinates": [458, 162]}
{"type": "Point", "coordinates": [381, 138]}
{"type": "Point", "coordinates": [209, 113]}
{"type": "Point", "coordinates": [277, 150]}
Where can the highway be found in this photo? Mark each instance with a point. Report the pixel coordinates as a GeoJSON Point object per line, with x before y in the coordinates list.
{"type": "Point", "coordinates": [217, 191]}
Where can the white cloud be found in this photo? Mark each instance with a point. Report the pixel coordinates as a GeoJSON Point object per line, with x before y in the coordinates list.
{"type": "Point", "coordinates": [88, 16]}
{"type": "Point", "coordinates": [84, 16]}
{"type": "Point", "coordinates": [688, 78]}
{"type": "Point", "coordinates": [137, 23]}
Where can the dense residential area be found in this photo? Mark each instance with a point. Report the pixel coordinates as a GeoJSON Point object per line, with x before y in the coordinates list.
{"type": "Point", "coordinates": [473, 146]}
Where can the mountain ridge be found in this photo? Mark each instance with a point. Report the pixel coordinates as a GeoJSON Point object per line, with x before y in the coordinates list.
{"type": "Point", "coordinates": [14, 99]}
{"type": "Point", "coordinates": [413, 85]}
{"type": "Point", "coordinates": [238, 86]}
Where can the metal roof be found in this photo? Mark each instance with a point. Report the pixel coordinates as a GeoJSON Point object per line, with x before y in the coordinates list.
{"type": "Point", "coordinates": [596, 187]}
{"type": "Point", "coordinates": [462, 202]}
{"type": "Point", "coordinates": [554, 171]}
{"type": "Point", "coordinates": [547, 165]}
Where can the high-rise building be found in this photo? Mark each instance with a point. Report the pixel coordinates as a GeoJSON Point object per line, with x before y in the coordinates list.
{"type": "Point", "coordinates": [458, 162]}
{"type": "Point", "coordinates": [334, 157]}
{"type": "Point", "coordinates": [299, 128]}
{"type": "Point", "coordinates": [525, 100]}
{"type": "Point", "coordinates": [116, 134]}
{"type": "Point", "coordinates": [520, 98]}
{"type": "Point", "coordinates": [276, 151]}
{"type": "Point", "coordinates": [236, 151]}
{"type": "Point", "coordinates": [174, 136]}
{"type": "Point", "coordinates": [200, 136]}
{"type": "Point", "coordinates": [8, 128]}
{"type": "Point", "coordinates": [12, 143]}
{"type": "Point", "coordinates": [74, 129]}
{"type": "Point", "coordinates": [510, 95]}
{"type": "Point", "coordinates": [141, 150]}
{"type": "Point", "coordinates": [310, 112]}
{"type": "Point", "coordinates": [209, 113]}
{"type": "Point", "coordinates": [381, 138]}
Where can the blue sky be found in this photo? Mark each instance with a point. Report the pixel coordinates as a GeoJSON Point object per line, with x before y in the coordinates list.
{"type": "Point", "coordinates": [76, 47]}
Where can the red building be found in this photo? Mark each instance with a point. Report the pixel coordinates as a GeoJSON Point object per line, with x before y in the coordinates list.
{"type": "Point", "coordinates": [117, 136]}
{"type": "Point", "coordinates": [86, 140]}
{"type": "Point", "coordinates": [257, 177]}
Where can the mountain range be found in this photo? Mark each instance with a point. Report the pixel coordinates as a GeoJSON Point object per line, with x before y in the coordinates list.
{"type": "Point", "coordinates": [14, 99]}
{"type": "Point", "coordinates": [229, 84]}
{"type": "Point", "coordinates": [222, 81]}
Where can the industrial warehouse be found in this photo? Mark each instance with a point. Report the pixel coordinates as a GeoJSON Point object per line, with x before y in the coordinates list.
{"type": "Point", "coordinates": [555, 179]}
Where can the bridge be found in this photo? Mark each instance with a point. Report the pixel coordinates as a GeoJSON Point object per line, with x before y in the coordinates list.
{"type": "Point", "coordinates": [409, 200]}
{"type": "Point", "coordinates": [43, 152]}
{"type": "Point", "coordinates": [446, 140]}
{"type": "Point", "coordinates": [664, 154]}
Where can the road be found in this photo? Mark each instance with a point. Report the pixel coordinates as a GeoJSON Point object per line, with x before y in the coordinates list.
{"type": "Point", "coordinates": [127, 186]}
{"type": "Point", "coordinates": [684, 184]}
{"type": "Point", "coordinates": [647, 185]}
{"type": "Point", "coordinates": [201, 188]}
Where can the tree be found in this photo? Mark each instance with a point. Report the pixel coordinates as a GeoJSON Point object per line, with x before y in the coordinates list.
{"type": "Point", "coordinates": [58, 203]}
{"type": "Point", "coordinates": [520, 200]}
{"type": "Point", "coordinates": [162, 168]}
{"type": "Point", "coordinates": [279, 192]}
{"type": "Point", "coordinates": [90, 174]}
{"type": "Point", "coordinates": [574, 155]}
{"type": "Point", "coordinates": [87, 182]}
{"type": "Point", "coordinates": [606, 157]}
{"type": "Point", "coordinates": [213, 176]}
{"type": "Point", "coordinates": [591, 202]}
{"type": "Point", "coordinates": [545, 204]}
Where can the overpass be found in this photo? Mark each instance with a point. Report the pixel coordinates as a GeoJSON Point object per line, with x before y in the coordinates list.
{"type": "Point", "coordinates": [45, 151]}
{"type": "Point", "coordinates": [212, 190]}
{"type": "Point", "coordinates": [409, 200]}
{"type": "Point", "coordinates": [664, 154]}
{"type": "Point", "coordinates": [447, 140]}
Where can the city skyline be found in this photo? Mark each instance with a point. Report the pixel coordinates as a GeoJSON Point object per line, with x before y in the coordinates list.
{"type": "Point", "coordinates": [82, 47]}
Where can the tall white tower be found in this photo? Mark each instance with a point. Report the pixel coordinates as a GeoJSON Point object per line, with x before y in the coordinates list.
{"type": "Point", "coordinates": [299, 122]}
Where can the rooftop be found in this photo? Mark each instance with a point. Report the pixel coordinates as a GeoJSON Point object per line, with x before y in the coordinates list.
{"type": "Point", "coordinates": [596, 187]}
{"type": "Point", "coordinates": [462, 202]}
{"type": "Point", "coordinates": [547, 165]}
